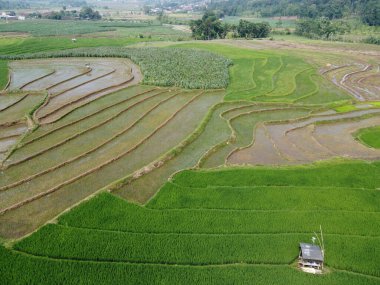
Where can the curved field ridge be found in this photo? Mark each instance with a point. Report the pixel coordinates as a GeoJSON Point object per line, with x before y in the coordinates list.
{"type": "Point", "coordinates": [72, 83]}
{"type": "Point", "coordinates": [100, 182]}
{"type": "Point", "coordinates": [117, 138]}
{"type": "Point", "coordinates": [360, 80]}
{"type": "Point", "coordinates": [271, 76]}
{"type": "Point", "coordinates": [188, 68]}
{"type": "Point", "coordinates": [202, 222]}
{"type": "Point", "coordinates": [15, 120]}
{"type": "Point", "coordinates": [308, 140]}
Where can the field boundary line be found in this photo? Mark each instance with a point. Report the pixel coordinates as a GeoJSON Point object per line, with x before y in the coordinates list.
{"type": "Point", "coordinates": [200, 265]}
{"type": "Point", "coordinates": [260, 210]}
{"type": "Point", "coordinates": [231, 138]}
{"type": "Point", "coordinates": [9, 80]}
{"type": "Point", "coordinates": [209, 233]}
{"type": "Point", "coordinates": [212, 149]}
{"type": "Point", "coordinates": [14, 103]}
{"type": "Point", "coordinates": [75, 135]}
{"type": "Point", "coordinates": [169, 155]}
{"type": "Point", "coordinates": [347, 76]}
{"type": "Point", "coordinates": [335, 68]}
{"type": "Point", "coordinates": [70, 78]}
{"type": "Point", "coordinates": [178, 265]}
{"type": "Point", "coordinates": [6, 187]}
{"type": "Point", "coordinates": [345, 88]}
{"type": "Point", "coordinates": [54, 95]}
{"type": "Point", "coordinates": [294, 87]}
{"type": "Point", "coordinates": [220, 145]}
{"type": "Point", "coordinates": [89, 116]}
{"type": "Point", "coordinates": [266, 185]}
{"type": "Point", "coordinates": [89, 102]}
{"type": "Point", "coordinates": [37, 79]}
{"type": "Point", "coordinates": [354, 272]}
{"type": "Point", "coordinates": [275, 72]}
{"type": "Point", "coordinates": [9, 137]}
{"type": "Point", "coordinates": [72, 180]}
{"type": "Point", "coordinates": [79, 99]}
{"type": "Point", "coordinates": [285, 108]}
{"type": "Point", "coordinates": [314, 91]}
{"type": "Point", "coordinates": [263, 123]}
{"type": "Point", "coordinates": [30, 125]}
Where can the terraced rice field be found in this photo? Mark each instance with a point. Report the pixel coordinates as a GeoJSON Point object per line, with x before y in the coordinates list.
{"type": "Point", "coordinates": [14, 122]}
{"type": "Point", "coordinates": [361, 81]}
{"type": "Point", "coordinates": [104, 178]}
{"type": "Point", "coordinates": [71, 83]}
{"type": "Point", "coordinates": [44, 169]}
{"type": "Point", "coordinates": [308, 140]}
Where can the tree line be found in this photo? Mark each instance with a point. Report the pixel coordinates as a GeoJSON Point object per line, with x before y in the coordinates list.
{"type": "Point", "coordinates": [211, 27]}
{"type": "Point", "coordinates": [367, 10]}
{"type": "Point", "coordinates": [86, 13]}
{"type": "Point", "coordinates": [321, 28]}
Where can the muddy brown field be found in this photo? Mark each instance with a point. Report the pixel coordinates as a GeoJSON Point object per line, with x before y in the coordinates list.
{"type": "Point", "coordinates": [308, 140]}
{"type": "Point", "coordinates": [71, 82]}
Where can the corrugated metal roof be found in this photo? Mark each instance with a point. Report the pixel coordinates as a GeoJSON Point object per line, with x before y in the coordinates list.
{"type": "Point", "coordinates": [311, 251]}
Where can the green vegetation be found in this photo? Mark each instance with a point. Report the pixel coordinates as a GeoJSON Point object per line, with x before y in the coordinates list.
{"type": "Point", "coordinates": [370, 136]}
{"type": "Point", "coordinates": [243, 125]}
{"type": "Point", "coordinates": [213, 130]}
{"type": "Point", "coordinates": [335, 9]}
{"type": "Point", "coordinates": [273, 22]}
{"type": "Point", "coordinates": [325, 175]}
{"type": "Point", "coordinates": [202, 223]}
{"type": "Point", "coordinates": [15, 266]}
{"type": "Point", "coordinates": [40, 28]}
{"type": "Point", "coordinates": [272, 77]}
{"type": "Point", "coordinates": [3, 74]}
{"type": "Point", "coordinates": [372, 40]}
{"type": "Point", "coordinates": [124, 138]}
{"type": "Point", "coordinates": [321, 28]}
{"type": "Point", "coordinates": [188, 68]}
{"type": "Point", "coordinates": [122, 177]}
{"type": "Point", "coordinates": [211, 27]}
{"type": "Point", "coordinates": [34, 45]}
{"type": "Point", "coordinates": [86, 13]}
{"type": "Point", "coordinates": [345, 108]}
{"type": "Point", "coordinates": [248, 29]}
{"type": "Point", "coordinates": [174, 196]}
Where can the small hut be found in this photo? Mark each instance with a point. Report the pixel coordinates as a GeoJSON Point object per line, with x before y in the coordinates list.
{"type": "Point", "coordinates": [310, 258]}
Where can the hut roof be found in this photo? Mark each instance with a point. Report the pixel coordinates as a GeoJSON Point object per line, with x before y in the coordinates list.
{"type": "Point", "coordinates": [311, 251]}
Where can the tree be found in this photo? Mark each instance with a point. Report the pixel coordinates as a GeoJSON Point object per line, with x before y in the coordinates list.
{"type": "Point", "coordinates": [370, 12]}
{"type": "Point", "coordinates": [248, 29]}
{"type": "Point", "coordinates": [321, 28]}
{"type": "Point", "coordinates": [89, 14]}
{"type": "Point", "coordinates": [208, 28]}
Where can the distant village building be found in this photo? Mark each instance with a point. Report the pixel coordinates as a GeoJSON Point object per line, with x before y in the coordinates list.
{"type": "Point", "coordinates": [310, 258]}
{"type": "Point", "coordinates": [9, 16]}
